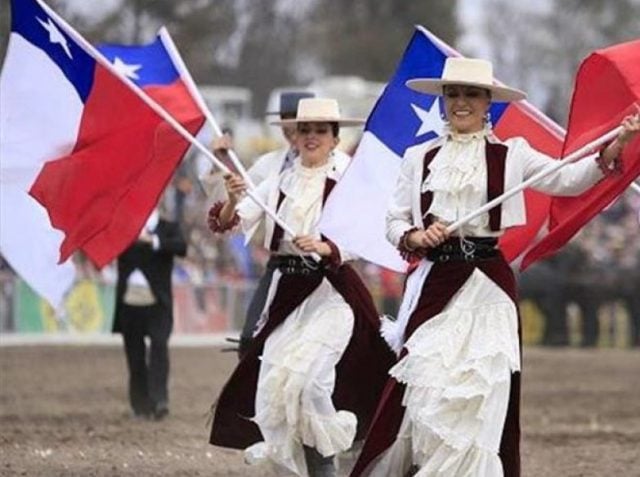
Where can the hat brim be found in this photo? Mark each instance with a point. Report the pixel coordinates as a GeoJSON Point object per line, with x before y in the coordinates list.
{"type": "Point", "coordinates": [343, 122]}
{"type": "Point", "coordinates": [278, 113]}
{"type": "Point", "coordinates": [434, 86]}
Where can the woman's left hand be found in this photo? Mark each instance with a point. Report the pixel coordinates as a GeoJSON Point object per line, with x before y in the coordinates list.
{"type": "Point", "coordinates": [308, 244]}
{"type": "Point", "coordinates": [630, 127]}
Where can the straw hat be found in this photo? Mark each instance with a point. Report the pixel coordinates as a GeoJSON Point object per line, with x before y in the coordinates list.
{"type": "Point", "coordinates": [319, 110]}
{"type": "Point", "coordinates": [466, 71]}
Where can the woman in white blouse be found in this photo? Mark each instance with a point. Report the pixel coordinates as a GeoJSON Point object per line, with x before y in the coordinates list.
{"type": "Point", "coordinates": [310, 381]}
{"type": "Point", "coordinates": [451, 407]}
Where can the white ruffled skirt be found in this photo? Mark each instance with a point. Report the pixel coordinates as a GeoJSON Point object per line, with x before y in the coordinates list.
{"type": "Point", "coordinates": [296, 381]}
{"type": "Point", "coordinates": [457, 374]}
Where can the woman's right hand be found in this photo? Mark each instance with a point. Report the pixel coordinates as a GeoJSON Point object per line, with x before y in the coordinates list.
{"type": "Point", "coordinates": [221, 145]}
{"type": "Point", "coordinates": [235, 186]}
{"type": "Point", "coordinates": [433, 236]}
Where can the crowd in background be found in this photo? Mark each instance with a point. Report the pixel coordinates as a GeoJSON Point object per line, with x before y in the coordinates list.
{"type": "Point", "coordinates": [598, 269]}
{"type": "Point", "coordinates": [600, 266]}
{"type": "Point", "coordinates": [597, 272]}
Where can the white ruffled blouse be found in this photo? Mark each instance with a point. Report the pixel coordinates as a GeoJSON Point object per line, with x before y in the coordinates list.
{"type": "Point", "coordinates": [303, 188]}
{"type": "Point", "coordinates": [458, 179]}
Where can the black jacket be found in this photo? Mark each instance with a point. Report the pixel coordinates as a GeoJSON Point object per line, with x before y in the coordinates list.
{"type": "Point", "coordinates": [155, 265]}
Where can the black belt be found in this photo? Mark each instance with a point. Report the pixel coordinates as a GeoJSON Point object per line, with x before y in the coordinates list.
{"type": "Point", "coordinates": [295, 265]}
{"type": "Point", "coordinates": [470, 249]}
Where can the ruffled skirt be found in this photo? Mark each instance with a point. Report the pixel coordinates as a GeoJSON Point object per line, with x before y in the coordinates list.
{"type": "Point", "coordinates": [457, 374]}
{"type": "Point", "coordinates": [296, 381]}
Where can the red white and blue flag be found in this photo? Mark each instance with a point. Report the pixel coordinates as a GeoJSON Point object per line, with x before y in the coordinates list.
{"type": "Point", "coordinates": [81, 143]}
{"type": "Point", "coordinates": [401, 119]}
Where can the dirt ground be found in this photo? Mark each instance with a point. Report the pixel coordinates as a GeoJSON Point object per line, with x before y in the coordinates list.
{"type": "Point", "coordinates": [63, 413]}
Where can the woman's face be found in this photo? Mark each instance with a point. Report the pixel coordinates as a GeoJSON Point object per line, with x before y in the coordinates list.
{"type": "Point", "coordinates": [315, 141]}
{"type": "Point", "coordinates": [466, 107]}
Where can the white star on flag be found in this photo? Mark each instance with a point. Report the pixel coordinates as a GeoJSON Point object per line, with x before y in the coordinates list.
{"type": "Point", "coordinates": [431, 120]}
{"type": "Point", "coordinates": [127, 70]}
{"type": "Point", "coordinates": [55, 36]}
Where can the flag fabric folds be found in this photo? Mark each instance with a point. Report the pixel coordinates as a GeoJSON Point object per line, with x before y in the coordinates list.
{"type": "Point", "coordinates": [401, 119]}
{"type": "Point", "coordinates": [606, 89]}
{"type": "Point", "coordinates": [82, 144]}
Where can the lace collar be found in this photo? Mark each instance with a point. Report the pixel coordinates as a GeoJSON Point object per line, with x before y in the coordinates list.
{"type": "Point", "coordinates": [483, 133]}
{"type": "Point", "coordinates": [309, 172]}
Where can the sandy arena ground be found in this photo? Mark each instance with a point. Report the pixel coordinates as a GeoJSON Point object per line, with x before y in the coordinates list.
{"type": "Point", "coordinates": [63, 413]}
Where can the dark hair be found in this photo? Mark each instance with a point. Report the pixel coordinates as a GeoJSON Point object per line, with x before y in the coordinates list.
{"type": "Point", "coordinates": [487, 91]}
{"type": "Point", "coordinates": [335, 128]}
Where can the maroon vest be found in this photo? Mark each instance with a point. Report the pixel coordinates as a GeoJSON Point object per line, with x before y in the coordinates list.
{"type": "Point", "coordinates": [496, 155]}
{"type": "Point", "coordinates": [277, 230]}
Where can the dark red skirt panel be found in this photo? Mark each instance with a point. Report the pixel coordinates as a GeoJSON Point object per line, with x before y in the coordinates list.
{"type": "Point", "coordinates": [442, 283]}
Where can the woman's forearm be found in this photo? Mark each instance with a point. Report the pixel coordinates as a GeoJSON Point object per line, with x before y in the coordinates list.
{"type": "Point", "coordinates": [227, 213]}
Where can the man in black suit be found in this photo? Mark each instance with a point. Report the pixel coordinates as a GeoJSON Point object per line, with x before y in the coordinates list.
{"type": "Point", "coordinates": [144, 307]}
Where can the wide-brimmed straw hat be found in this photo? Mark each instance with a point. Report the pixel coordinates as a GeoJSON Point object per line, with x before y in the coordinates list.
{"type": "Point", "coordinates": [468, 72]}
{"type": "Point", "coordinates": [289, 103]}
{"type": "Point", "coordinates": [319, 110]}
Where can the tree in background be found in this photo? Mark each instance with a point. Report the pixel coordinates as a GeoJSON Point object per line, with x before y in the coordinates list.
{"type": "Point", "coordinates": [539, 49]}
{"type": "Point", "coordinates": [266, 47]}
{"type": "Point", "coordinates": [265, 44]}
{"type": "Point", "coordinates": [367, 37]}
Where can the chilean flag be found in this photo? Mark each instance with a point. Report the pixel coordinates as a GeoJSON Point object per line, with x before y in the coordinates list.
{"type": "Point", "coordinates": [81, 143]}
{"type": "Point", "coordinates": [607, 88]}
{"type": "Point", "coordinates": [401, 119]}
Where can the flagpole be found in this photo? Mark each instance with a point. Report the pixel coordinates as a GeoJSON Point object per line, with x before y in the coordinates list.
{"type": "Point", "coordinates": [197, 96]}
{"type": "Point", "coordinates": [535, 178]}
{"type": "Point", "coordinates": [164, 114]}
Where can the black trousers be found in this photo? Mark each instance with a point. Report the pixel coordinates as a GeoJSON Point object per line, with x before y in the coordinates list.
{"type": "Point", "coordinates": [148, 371]}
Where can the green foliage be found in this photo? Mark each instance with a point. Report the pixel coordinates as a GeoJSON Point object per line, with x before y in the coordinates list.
{"type": "Point", "coordinates": [367, 37]}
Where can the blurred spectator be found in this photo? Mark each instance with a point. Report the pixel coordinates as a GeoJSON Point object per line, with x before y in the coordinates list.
{"type": "Point", "coordinates": [599, 267]}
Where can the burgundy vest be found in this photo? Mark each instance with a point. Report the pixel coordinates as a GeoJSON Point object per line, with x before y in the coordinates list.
{"type": "Point", "coordinates": [496, 155]}
{"type": "Point", "coordinates": [277, 230]}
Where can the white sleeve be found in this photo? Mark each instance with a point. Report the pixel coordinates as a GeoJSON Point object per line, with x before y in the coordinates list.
{"type": "Point", "coordinates": [263, 167]}
{"type": "Point", "coordinates": [572, 179]}
{"type": "Point", "coordinates": [399, 217]}
{"type": "Point", "coordinates": [251, 213]}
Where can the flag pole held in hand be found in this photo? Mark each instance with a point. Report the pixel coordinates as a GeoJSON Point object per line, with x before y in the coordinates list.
{"type": "Point", "coordinates": [197, 96]}
{"type": "Point", "coordinates": [589, 148]}
{"type": "Point", "coordinates": [158, 109]}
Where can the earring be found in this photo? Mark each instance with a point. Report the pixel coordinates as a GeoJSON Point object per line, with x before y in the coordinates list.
{"type": "Point", "coordinates": [487, 118]}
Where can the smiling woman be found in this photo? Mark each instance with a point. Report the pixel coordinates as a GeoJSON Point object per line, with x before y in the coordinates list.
{"type": "Point", "coordinates": [312, 376]}
{"type": "Point", "coordinates": [452, 403]}
{"type": "Point", "coordinates": [316, 142]}
{"type": "Point", "coordinates": [466, 107]}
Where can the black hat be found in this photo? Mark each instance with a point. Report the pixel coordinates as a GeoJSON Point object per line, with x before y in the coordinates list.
{"type": "Point", "coordinates": [289, 103]}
